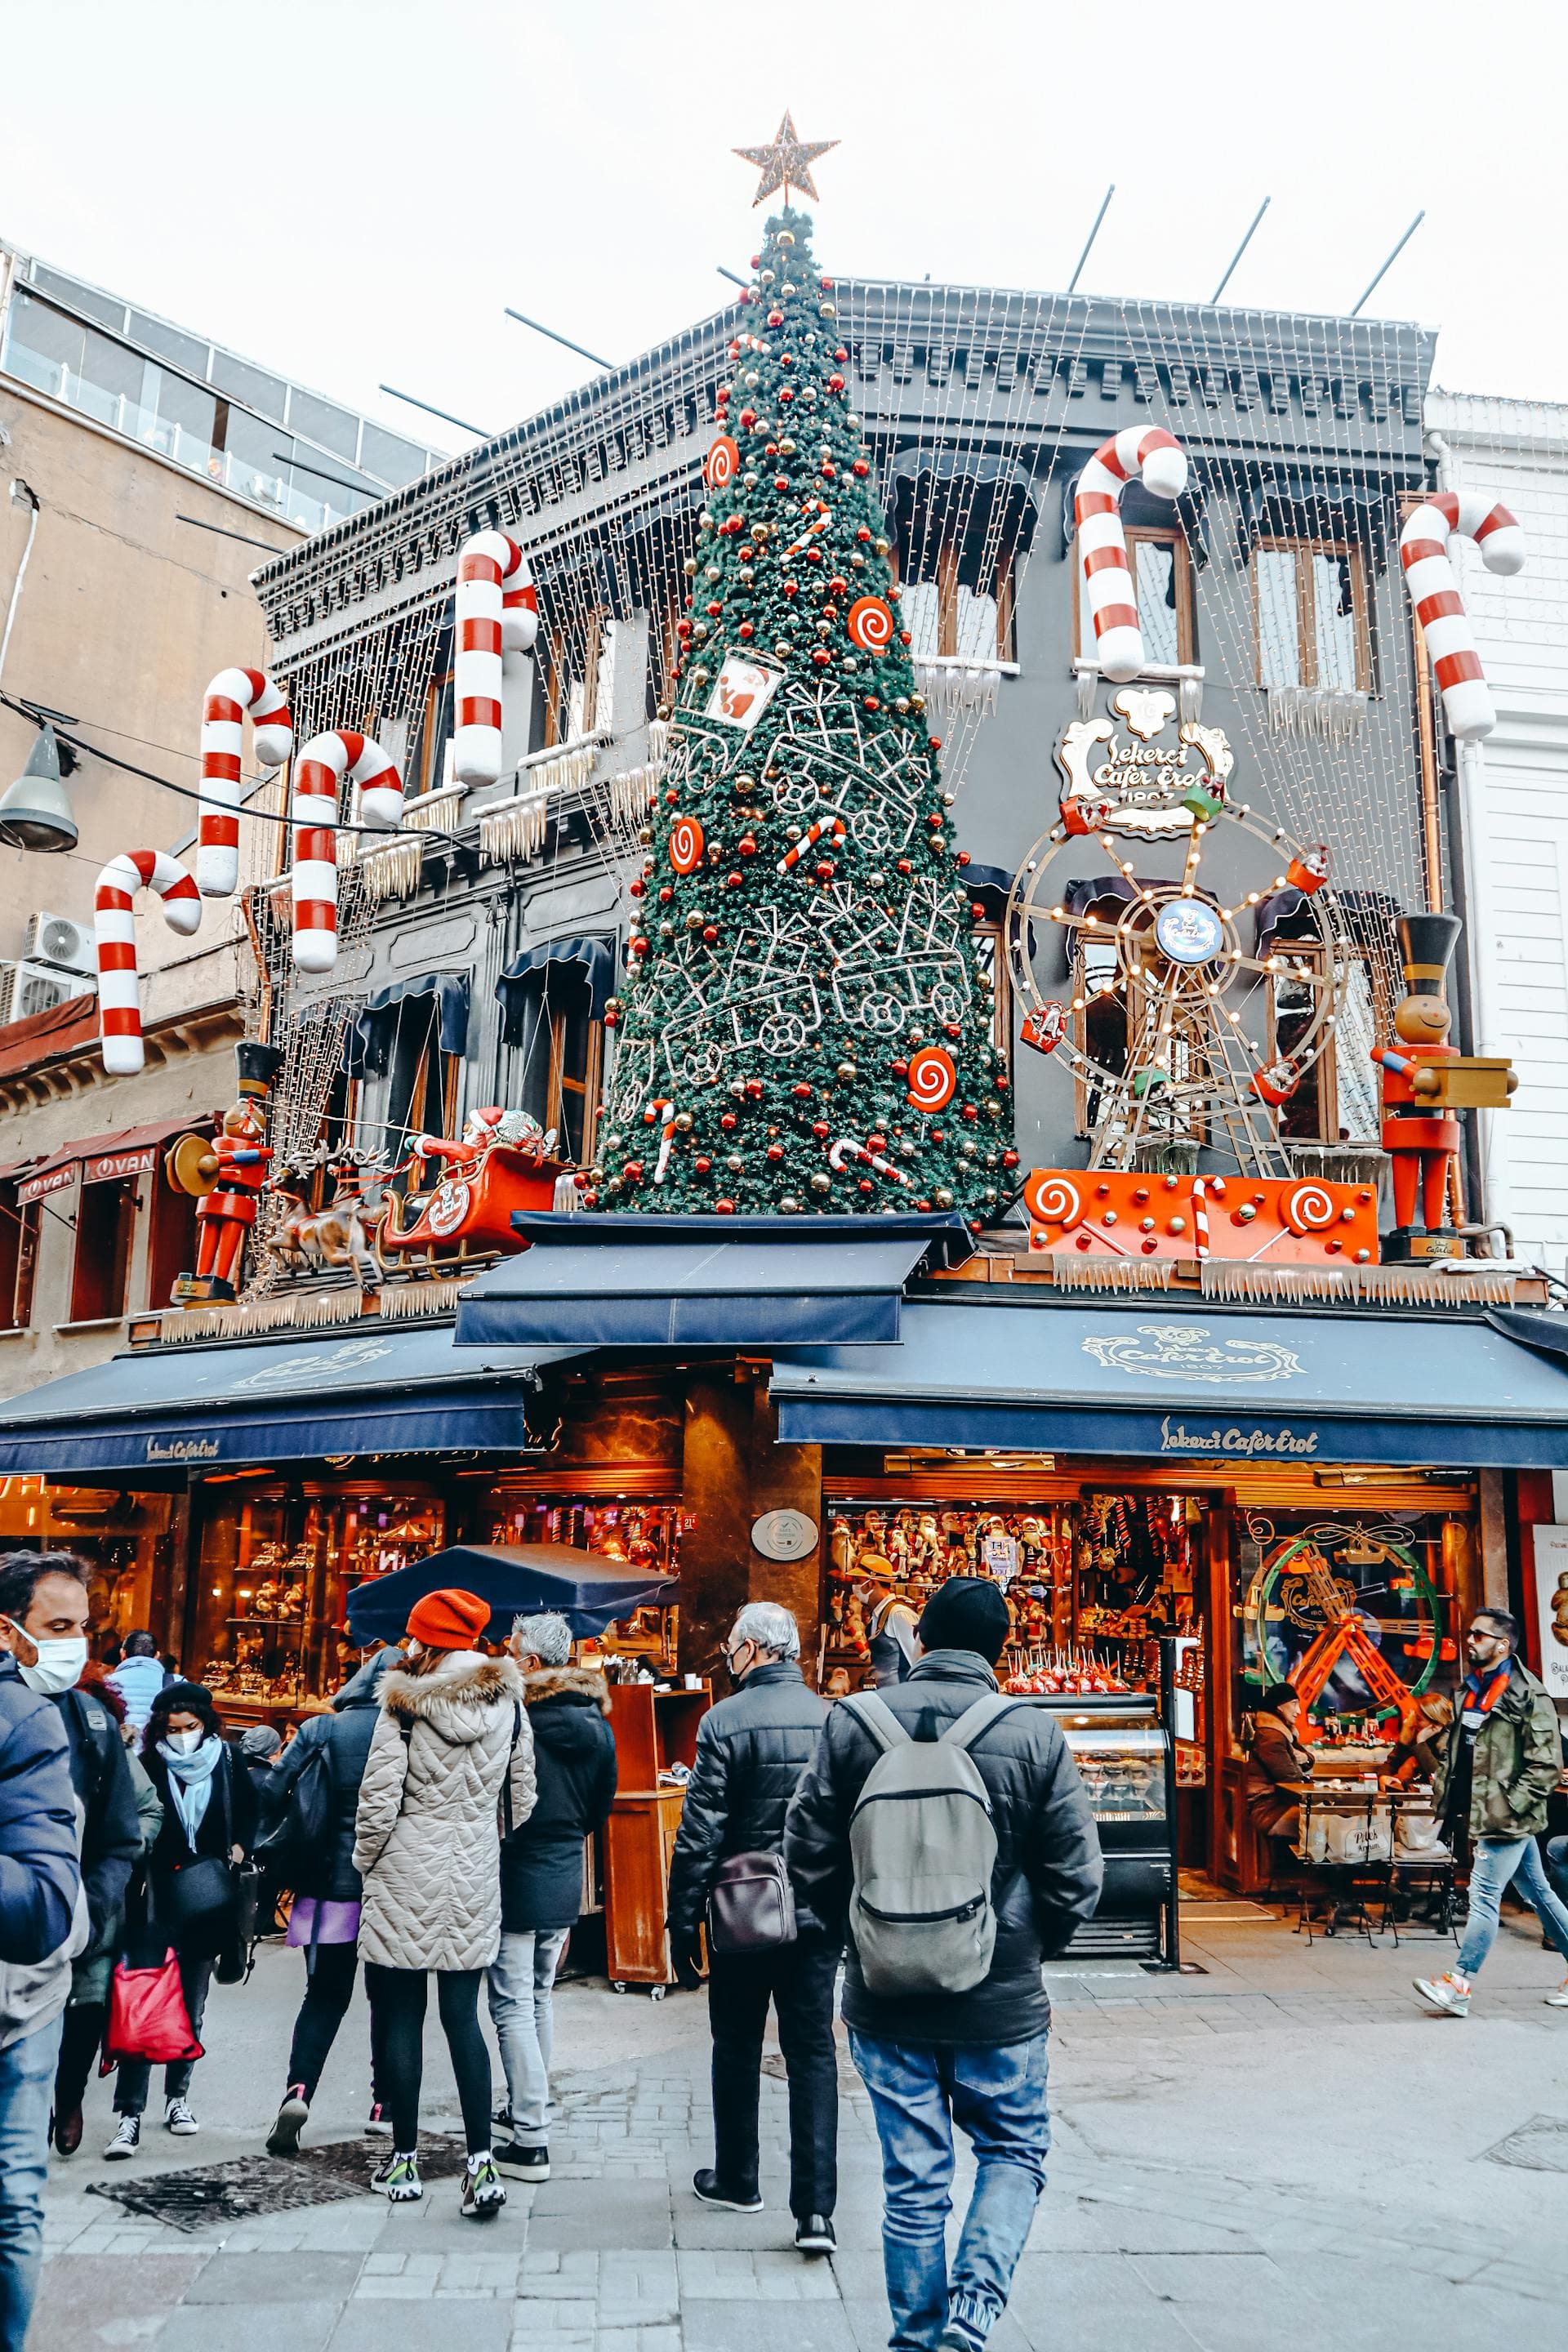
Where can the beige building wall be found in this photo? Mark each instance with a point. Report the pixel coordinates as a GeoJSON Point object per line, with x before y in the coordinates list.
{"type": "Point", "coordinates": [190, 1024]}
{"type": "Point", "coordinates": [125, 613]}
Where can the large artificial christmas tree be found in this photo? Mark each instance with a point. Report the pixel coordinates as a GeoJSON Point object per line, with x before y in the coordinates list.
{"type": "Point", "coordinates": [805, 1026]}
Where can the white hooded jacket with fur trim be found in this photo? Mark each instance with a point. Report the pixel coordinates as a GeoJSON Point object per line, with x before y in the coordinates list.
{"type": "Point", "coordinates": [426, 1834]}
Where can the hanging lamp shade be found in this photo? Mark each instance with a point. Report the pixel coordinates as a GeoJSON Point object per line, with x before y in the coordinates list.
{"type": "Point", "coordinates": [36, 811]}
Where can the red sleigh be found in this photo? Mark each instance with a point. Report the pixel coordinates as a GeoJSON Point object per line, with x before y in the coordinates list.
{"type": "Point", "coordinates": [469, 1213]}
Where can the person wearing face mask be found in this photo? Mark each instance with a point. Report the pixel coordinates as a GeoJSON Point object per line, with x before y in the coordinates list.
{"type": "Point", "coordinates": [43, 1923]}
{"type": "Point", "coordinates": [752, 1751]}
{"type": "Point", "coordinates": [209, 1815]}
{"type": "Point", "coordinates": [43, 1622]}
{"type": "Point", "coordinates": [1499, 1769]}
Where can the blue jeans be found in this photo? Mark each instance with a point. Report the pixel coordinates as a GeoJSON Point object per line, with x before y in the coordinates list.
{"type": "Point", "coordinates": [521, 1986]}
{"type": "Point", "coordinates": [997, 2097]}
{"type": "Point", "coordinates": [26, 2084]}
{"type": "Point", "coordinates": [1496, 1861]}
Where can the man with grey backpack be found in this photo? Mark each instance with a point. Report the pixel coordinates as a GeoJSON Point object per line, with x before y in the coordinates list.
{"type": "Point", "coordinates": [943, 1827]}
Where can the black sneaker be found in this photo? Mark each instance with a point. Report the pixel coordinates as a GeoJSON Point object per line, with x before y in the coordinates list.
{"type": "Point", "coordinates": [710, 2190]}
{"type": "Point", "coordinates": [813, 2236]}
{"type": "Point", "coordinates": [283, 2140]}
{"type": "Point", "coordinates": [520, 2163]}
{"type": "Point", "coordinates": [483, 2195]}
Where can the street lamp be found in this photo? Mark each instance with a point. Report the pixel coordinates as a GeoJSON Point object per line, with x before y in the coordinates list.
{"type": "Point", "coordinates": [36, 811]}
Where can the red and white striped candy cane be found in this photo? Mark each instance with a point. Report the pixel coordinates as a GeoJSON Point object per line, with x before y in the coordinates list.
{"type": "Point", "coordinates": [1201, 1216]}
{"type": "Point", "coordinates": [313, 878]}
{"type": "Point", "coordinates": [1157, 457]}
{"type": "Point", "coordinates": [114, 927]}
{"type": "Point", "coordinates": [826, 828]}
{"type": "Point", "coordinates": [848, 1149]}
{"type": "Point", "coordinates": [663, 1109]}
{"type": "Point", "coordinates": [1429, 576]}
{"type": "Point", "coordinates": [498, 611]}
{"type": "Point", "coordinates": [824, 517]}
{"type": "Point", "coordinates": [233, 694]}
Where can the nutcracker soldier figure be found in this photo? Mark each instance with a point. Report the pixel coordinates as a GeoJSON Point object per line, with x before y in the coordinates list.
{"type": "Point", "coordinates": [1425, 1082]}
{"type": "Point", "coordinates": [228, 1174]}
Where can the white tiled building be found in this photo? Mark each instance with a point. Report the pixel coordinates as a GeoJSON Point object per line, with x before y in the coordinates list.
{"type": "Point", "coordinates": [1514, 794]}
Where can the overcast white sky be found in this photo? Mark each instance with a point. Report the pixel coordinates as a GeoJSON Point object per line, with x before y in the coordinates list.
{"type": "Point", "coordinates": [350, 190]}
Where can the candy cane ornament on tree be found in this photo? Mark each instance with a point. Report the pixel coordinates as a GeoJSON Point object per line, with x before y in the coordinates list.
{"type": "Point", "coordinates": [847, 1147]}
{"type": "Point", "coordinates": [498, 611]}
{"type": "Point", "coordinates": [1433, 592]}
{"type": "Point", "coordinates": [319, 772]}
{"type": "Point", "coordinates": [114, 927]}
{"type": "Point", "coordinates": [662, 1111]}
{"type": "Point", "coordinates": [827, 828]}
{"type": "Point", "coordinates": [1156, 456]}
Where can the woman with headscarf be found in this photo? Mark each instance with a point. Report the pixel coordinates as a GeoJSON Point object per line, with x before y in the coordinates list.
{"type": "Point", "coordinates": [210, 1817]}
{"type": "Point", "coordinates": [451, 1768]}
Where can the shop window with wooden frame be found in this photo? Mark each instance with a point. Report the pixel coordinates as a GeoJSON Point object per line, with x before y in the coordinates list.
{"type": "Point", "coordinates": [570, 673]}
{"type": "Point", "coordinates": [105, 1228]}
{"type": "Point", "coordinates": [559, 1047]}
{"type": "Point", "coordinates": [1162, 584]}
{"type": "Point", "coordinates": [428, 768]}
{"type": "Point", "coordinates": [1311, 619]}
{"type": "Point", "coordinates": [171, 1238]}
{"type": "Point", "coordinates": [19, 1225]}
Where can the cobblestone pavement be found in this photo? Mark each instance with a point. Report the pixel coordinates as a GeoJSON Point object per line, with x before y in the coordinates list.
{"type": "Point", "coordinates": [1284, 2150]}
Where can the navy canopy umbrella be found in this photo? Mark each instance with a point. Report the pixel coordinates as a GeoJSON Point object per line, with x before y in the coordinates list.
{"type": "Point", "coordinates": [516, 1579]}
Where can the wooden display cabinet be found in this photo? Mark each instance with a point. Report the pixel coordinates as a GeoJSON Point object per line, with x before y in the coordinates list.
{"type": "Point", "coordinates": [654, 1729]}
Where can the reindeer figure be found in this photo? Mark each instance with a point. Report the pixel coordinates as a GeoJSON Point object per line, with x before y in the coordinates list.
{"type": "Point", "coordinates": [338, 1235]}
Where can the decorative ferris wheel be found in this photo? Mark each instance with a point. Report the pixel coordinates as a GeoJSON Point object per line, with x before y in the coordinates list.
{"type": "Point", "coordinates": [1176, 959]}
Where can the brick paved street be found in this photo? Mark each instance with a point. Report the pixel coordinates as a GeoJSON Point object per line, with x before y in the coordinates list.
{"type": "Point", "coordinates": [1284, 2150]}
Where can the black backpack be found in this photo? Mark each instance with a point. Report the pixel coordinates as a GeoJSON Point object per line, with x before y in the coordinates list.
{"type": "Point", "coordinates": [297, 1847]}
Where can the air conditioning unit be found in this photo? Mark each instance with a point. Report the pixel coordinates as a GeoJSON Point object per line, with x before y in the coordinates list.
{"type": "Point", "coordinates": [56, 938]}
{"type": "Point", "coordinates": [29, 988]}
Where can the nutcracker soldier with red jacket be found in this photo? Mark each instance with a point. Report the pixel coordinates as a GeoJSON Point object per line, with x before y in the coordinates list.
{"type": "Point", "coordinates": [1425, 1082]}
{"type": "Point", "coordinates": [232, 1170]}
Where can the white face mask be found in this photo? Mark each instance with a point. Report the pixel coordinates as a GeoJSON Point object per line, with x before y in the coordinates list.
{"type": "Point", "coordinates": [59, 1666]}
{"type": "Point", "coordinates": [184, 1743]}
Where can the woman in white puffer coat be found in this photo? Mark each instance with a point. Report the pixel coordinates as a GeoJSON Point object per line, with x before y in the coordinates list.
{"type": "Point", "coordinates": [450, 1766]}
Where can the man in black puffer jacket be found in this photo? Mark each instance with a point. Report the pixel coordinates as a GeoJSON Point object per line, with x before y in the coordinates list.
{"type": "Point", "coordinates": [977, 2057]}
{"type": "Point", "coordinates": [751, 1750]}
{"type": "Point", "coordinates": [542, 1873]}
{"type": "Point", "coordinates": [324, 1920]}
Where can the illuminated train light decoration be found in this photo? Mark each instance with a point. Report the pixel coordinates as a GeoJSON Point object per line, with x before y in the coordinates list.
{"type": "Point", "coordinates": [1179, 963]}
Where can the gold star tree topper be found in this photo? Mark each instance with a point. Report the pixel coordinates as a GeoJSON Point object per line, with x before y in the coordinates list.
{"type": "Point", "coordinates": [786, 163]}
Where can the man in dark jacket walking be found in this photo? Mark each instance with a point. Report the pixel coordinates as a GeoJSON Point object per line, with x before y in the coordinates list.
{"type": "Point", "coordinates": [977, 2057]}
{"type": "Point", "coordinates": [542, 1873]}
{"type": "Point", "coordinates": [324, 1919]}
{"type": "Point", "coordinates": [751, 1750]}
{"type": "Point", "coordinates": [43, 1924]}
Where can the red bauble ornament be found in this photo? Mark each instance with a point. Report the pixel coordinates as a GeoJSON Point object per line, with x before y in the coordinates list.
{"type": "Point", "coordinates": [746, 846]}
{"type": "Point", "coordinates": [686, 843]}
{"type": "Point", "coordinates": [861, 467]}
{"type": "Point", "coordinates": [745, 630]}
{"type": "Point", "coordinates": [786, 392]}
{"type": "Point", "coordinates": [864, 533]}
{"type": "Point", "coordinates": [792, 587]}
{"type": "Point", "coordinates": [936, 820]}
{"type": "Point", "coordinates": [713, 611]}
{"type": "Point", "coordinates": [639, 947]}
{"type": "Point", "coordinates": [835, 383]}
{"type": "Point", "coordinates": [866, 1185]}
{"type": "Point", "coordinates": [665, 894]}
{"type": "Point", "coordinates": [775, 318]}
{"type": "Point", "coordinates": [748, 418]}
{"type": "Point", "coordinates": [871, 703]}
{"type": "Point", "coordinates": [734, 881]}
{"type": "Point", "coordinates": [727, 1119]}
{"type": "Point", "coordinates": [906, 638]}
{"type": "Point", "coordinates": [963, 857]}
{"type": "Point", "coordinates": [900, 1068]}
{"type": "Point", "coordinates": [971, 1112]}
{"type": "Point", "coordinates": [702, 1163]}
{"type": "Point", "coordinates": [822, 657]}
{"type": "Point", "coordinates": [775, 1151]}
{"type": "Point", "coordinates": [754, 1089]}
{"type": "Point", "coordinates": [637, 888]}
{"type": "Point", "coordinates": [822, 869]}
{"type": "Point", "coordinates": [821, 1129]}
{"type": "Point", "coordinates": [841, 354]}
{"type": "Point", "coordinates": [710, 937]}
{"type": "Point", "coordinates": [801, 1092]}
{"type": "Point", "coordinates": [723, 1208]}
{"type": "Point", "coordinates": [632, 1171]}
{"type": "Point", "coordinates": [1009, 1159]}
{"type": "Point", "coordinates": [781, 481]}
{"type": "Point", "coordinates": [906, 866]}
{"type": "Point", "coordinates": [723, 463]}
{"type": "Point", "coordinates": [813, 554]}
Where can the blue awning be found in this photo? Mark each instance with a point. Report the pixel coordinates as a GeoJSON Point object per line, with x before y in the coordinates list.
{"type": "Point", "coordinates": [516, 1579]}
{"type": "Point", "coordinates": [292, 1399]}
{"type": "Point", "coordinates": [1198, 1383]}
{"type": "Point", "coordinates": [594, 962]}
{"type": "Point", "coordinates": [719, 1282]}
{"type": "Point", "coordinates": [367, 1042]}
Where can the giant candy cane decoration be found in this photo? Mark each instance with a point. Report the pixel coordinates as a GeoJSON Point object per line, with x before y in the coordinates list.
{"type": "Point", "coordinates": [498, 611]}
{"type": "Point", "coordinates": [114, 925]}
{"type": "Point", "coordinates": [313, 879]}
{"type": "Point", "coordinates": [1445, 624]}
{"type": "Point", "coordinates": [232, 694]}
{"type": "Point", "coordinates": [1158, 458]}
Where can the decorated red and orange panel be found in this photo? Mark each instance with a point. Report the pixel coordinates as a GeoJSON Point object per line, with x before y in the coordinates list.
{"type": "Point", "coordinates": [1269, 1220]}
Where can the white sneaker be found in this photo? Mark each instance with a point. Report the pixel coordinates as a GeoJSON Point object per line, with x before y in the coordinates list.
{"type": "Point", "coordinates": [126, 2141]}
{"type": "Point", "coordinates": [178, 2119]}
{"type": "Point", "coordinates": [1450, 1992]}
{"type": "Point", "coordinates": [1559, 2000]}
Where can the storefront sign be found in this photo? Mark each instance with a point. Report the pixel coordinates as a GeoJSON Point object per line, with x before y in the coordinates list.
{"type": "Point", "coordinates": [784, 1535]}
{"type": "Point", "coordinates": [1191, 1351]}
{"type": "Point", "coordinates": [182, 1449]}
{"type": "Point", "coordinates": [1552, 1606]}
{"type": "Point", "coordinates": [111, 1164]}
{"type": "Point", "coordinates": [51, 1180]}
{"type": "Point", "coordinates": [1237, 1445]}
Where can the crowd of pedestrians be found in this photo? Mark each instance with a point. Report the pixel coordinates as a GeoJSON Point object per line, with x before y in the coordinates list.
{"type": "Point", "coordinates": [930, 1837]}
